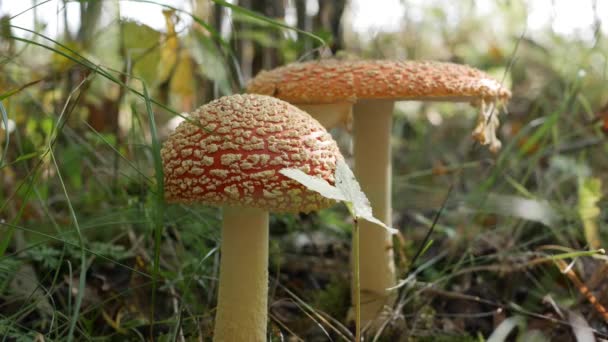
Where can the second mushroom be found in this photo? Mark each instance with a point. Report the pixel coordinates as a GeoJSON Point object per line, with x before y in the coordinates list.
{"type": "Point", "coordinates": [331, 89]}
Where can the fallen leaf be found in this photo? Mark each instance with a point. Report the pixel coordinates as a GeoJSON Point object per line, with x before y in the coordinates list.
{"type": "Point", "coordinates": [580, 327]}
{"type": "Point", "coordinates": [503, 330]}
{"type": "Point", "coordinates": [521, 207]}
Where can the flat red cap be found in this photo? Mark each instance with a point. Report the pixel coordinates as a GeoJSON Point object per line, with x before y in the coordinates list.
{"type": "Point", "coordinates": [230, 151]}
{"type": "Point", "coordinates": [332, 80]}
{"type": "Point", "coordinates": [337, 81]}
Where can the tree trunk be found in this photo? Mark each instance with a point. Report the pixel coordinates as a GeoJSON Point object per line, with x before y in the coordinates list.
{"type": "Point", "coordinates": [330, 19]}
{"type": "Point", "coordinates": [256, 57]}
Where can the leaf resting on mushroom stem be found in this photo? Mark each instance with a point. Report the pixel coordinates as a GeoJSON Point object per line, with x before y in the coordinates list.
{"type": "Point", "coordinates": [346, 190]}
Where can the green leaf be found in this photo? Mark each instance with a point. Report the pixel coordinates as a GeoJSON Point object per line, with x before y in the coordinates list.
{"type": "Point", "coordinates": [26, 157]}
{"type": "Point", "coordinates": [110, 250]}
{"type": "Point", "coordinates": [141, 43]}
{"type": "Point", "coordinates": [8, 267]}
{"type": "Point", "coordinates": [50, 258]}
{"type": "Point", "coordinates": [347, 190]}
{"type": "Point", "coordinates": [589, 193]}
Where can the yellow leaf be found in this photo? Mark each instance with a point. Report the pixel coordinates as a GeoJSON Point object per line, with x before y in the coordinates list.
{"type": "Point", "coordinates": [182, 82]}
{"type": "Point", "coordinates": [589, 193]}
{"type": "Point", "coordinates": [170, 48]}
{"type": "Point", "coordinates": [141, 48]}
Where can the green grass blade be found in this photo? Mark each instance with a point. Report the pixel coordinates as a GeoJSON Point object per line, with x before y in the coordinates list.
{"type": "Point", "coordinates": [29, 9]}
{"type": "Point", "coordinates": [357, 280]}
{"type": "Point", "coordinates": [6, 133]}
{"type": "Point", "coordinates": [159, 200]}
{"type": "Point", "coordinates": [83, 260]}
{"type": "Point", "coordinates": [267, 20]}
{"type": "Point", "coordinates": [115, 150]}
{"type": "Point", "coordinates": [17, 90]}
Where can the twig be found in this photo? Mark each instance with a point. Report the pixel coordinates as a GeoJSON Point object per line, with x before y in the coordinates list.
{"type": "Point", "coordinates": [582, 288]}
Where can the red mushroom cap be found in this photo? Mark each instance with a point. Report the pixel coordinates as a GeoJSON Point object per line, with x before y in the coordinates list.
{"type": "Point", "coordinates": [231, 150]}
{"type": "Point", "coordinates": [337, 81]}
{"type": "Point", "coordinates": [333, 80]}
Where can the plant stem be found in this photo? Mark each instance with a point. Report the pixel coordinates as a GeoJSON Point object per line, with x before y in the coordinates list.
{"type": "Point", "coordinates": [356, 281]}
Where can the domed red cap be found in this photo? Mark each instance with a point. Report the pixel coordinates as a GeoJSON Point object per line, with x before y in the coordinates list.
{"type": "Point", "coordinates": [230, 151]}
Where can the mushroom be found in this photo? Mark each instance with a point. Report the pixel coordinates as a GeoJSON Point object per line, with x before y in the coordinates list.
{"type": "Point", "coordinates": [229, 154]}
{"type": "Point", "coordinates": [329, 89]}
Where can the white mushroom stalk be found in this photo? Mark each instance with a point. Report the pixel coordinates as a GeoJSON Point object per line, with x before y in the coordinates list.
{"type": "Point", "coordinates": [373, 168]}
{"type": "Point", "coordinates": [243, 295]}
{"type": "Point", "coordinates": [229, 155]}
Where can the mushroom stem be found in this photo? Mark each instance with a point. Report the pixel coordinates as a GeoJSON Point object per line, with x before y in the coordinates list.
{"type": "Point", "coordinates": [242, 307]}
{"type": "Point", "coordinates": [372, 152]}
{"type": "Point", "coordinates": [329, 115]}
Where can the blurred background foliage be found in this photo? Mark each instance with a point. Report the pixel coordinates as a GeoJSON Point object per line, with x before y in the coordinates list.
{"type": "Point", "coordinates": [79, 258]}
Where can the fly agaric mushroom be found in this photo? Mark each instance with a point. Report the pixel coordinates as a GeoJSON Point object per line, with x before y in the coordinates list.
{"type": "Point", "coordinates": [330, 89]}
{"type": "Point", "coordinates": [229, 154]}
